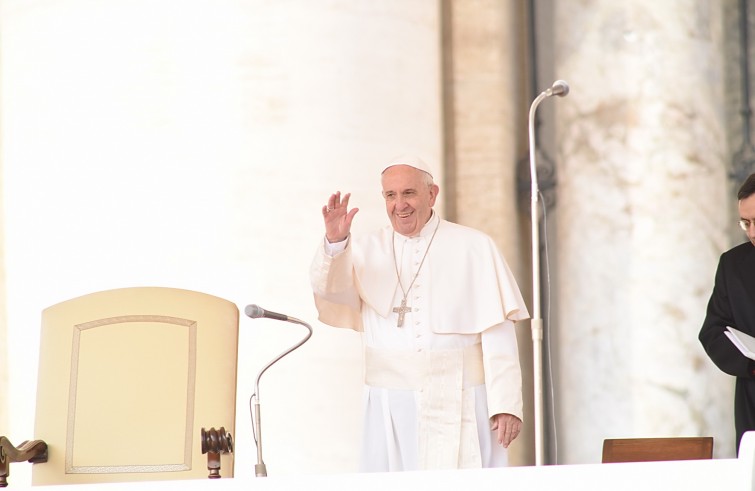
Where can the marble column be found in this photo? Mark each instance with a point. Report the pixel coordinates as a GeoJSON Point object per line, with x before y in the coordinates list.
{"type": "Point", "coordinates": [480, 117]}
{"type": "Point", "coordinates": [643, 213]}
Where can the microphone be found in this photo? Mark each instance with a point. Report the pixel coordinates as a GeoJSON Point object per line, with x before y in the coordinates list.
{"type": "Point", "coordinates": [559, 88]}
{"type": "Point", "coordinates": [255, 312]}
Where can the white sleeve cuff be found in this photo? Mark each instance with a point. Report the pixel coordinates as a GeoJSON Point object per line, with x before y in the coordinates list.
{"type": "Point", "coordinates": [335, 248]}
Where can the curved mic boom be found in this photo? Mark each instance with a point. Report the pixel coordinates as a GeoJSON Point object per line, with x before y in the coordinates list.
{"type": "Point", "coordinates": [255, 312]}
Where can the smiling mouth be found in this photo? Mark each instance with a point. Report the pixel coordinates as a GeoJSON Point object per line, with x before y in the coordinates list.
{"type": "Point", "coordinates": [403, 215]}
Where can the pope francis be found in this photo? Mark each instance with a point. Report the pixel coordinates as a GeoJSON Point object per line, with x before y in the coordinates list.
{"type": "Point", "coordinates": [436, 303]}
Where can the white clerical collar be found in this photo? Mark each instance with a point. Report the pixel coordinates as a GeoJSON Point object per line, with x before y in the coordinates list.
{"type": "Point", "coordinates": [427, 229]}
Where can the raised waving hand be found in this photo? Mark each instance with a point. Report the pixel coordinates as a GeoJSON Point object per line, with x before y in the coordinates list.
{"type": "Point", "coordinates": [338, 217]}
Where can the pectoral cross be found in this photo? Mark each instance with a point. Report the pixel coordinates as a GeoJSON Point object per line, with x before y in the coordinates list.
{"type": "Point", "coordinates": [401, 311]}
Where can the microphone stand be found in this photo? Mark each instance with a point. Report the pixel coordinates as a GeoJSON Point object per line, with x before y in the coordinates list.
{"type": "Point", "coordinates": [260, 469]}
{"type": "Point", "coordinates": [559, 88]}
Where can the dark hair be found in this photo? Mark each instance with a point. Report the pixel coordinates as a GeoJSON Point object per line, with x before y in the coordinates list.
{"type": "Point", "coordinates": [747, 189]}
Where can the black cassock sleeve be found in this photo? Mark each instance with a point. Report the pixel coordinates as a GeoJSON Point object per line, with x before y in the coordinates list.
{"type": "Point", "coordinates": [721, 313]}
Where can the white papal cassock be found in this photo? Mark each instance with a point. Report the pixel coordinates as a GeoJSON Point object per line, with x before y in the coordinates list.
{"type": "Point", "coordinates": [432, 385]}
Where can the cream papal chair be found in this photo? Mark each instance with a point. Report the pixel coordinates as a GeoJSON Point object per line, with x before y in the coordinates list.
{"type": "Point", "coordinates": [135, 384]}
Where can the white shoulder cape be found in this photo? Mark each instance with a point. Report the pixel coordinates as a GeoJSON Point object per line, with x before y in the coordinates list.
{"type": "Point", "coordinates": [470, 281]}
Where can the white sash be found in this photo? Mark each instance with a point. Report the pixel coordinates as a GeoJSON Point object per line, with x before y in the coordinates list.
{"type": "Point", "coordinates": [445, 378]}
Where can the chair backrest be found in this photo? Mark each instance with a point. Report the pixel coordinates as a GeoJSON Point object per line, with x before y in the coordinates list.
{"type": "Point", "coordinates": [127, 380]}
{"type": "Point", "coordinates": [657, 449]}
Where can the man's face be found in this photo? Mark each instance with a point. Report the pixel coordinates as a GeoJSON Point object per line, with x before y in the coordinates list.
{"type": "Point", "coordinates": [408, 199]}
{"type": "Point", "coordinates": [747, 216]}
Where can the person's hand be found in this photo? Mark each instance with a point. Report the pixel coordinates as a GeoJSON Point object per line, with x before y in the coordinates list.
{"type": "Point", "coordinates": [507, 426]}
{"type": "Point", "coordinates": [338, 217]}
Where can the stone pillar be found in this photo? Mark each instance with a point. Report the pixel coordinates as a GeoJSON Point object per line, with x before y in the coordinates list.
{"type": "Point", "coordinates": [480, 122]}
{"type": "Point", "coordinates": [644, 209]}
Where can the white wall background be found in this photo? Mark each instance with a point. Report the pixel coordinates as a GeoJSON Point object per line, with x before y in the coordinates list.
{"type": "Point", "coordinates": [191, 144]}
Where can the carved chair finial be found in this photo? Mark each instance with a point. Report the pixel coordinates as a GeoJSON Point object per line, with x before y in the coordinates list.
{"type": "Point", "coordinates": [214, 443]}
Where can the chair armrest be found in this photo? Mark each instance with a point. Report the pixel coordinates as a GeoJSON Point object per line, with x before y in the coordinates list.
{"type": "Point", "coordinates": [34, 451]}
{"type": "Point", "coordinates": [214, 443]}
